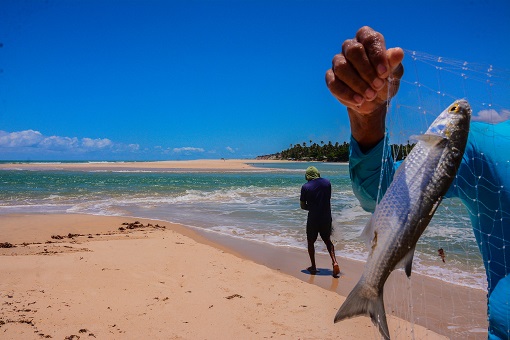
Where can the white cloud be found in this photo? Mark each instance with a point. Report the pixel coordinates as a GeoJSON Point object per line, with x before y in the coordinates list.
{"type": "Point", "coordinates": [187, 149]}
{"type": "Point", "coordinates": [98, 143]}
{"type": "Point", "coordinates": [59, 143]}
{"type": "Point", "coordinates": [492, 116]}
{"type": "Point", "coordinates": [20, 138]}
{"type": "Point", "coordinates": [34, 140]}
{"type": "Point", "coordinates": [229, 149]}
{"type": "Point", "coordinates": [134, 147]}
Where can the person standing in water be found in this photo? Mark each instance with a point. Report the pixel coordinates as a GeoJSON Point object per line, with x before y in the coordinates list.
{"type": "Point", "coordinates": [316, 199]}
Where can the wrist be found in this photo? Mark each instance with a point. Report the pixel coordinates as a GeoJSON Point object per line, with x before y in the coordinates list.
{"type": "Point", "coordinates": [368, 128]}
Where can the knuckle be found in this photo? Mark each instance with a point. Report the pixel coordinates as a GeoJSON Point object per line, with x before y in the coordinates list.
{"type": "Point", "coordinates": [363, 30]}
{"type": "Point", "coordinates": [372, 39]}
{"type": "Point", "coordinates": [346, 44]}
{"type": "Point", "coordinates": [338, 61]}
{"type": "Point", "coordinates": [330, 77]}
{"type": "Point", "coordinates": [355, 51]}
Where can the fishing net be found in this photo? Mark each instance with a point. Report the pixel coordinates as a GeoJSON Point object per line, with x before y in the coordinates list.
{"type": "Point", "coordinates": [455, 299]}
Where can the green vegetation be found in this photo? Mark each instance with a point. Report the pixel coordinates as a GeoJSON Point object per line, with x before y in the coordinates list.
{"type": "Point", "coordinates": [328, 152]}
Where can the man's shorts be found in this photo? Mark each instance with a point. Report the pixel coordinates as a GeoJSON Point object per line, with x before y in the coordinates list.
{"type": "Point", "coordinates": [313, 230]}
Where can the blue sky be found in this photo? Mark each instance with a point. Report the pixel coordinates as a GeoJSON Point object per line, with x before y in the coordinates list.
{"type": "Point", "coordinates": [156, 80]}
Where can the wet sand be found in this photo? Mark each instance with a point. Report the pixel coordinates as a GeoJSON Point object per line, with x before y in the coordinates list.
{"type": "Point", "coordinates": [455, 311]}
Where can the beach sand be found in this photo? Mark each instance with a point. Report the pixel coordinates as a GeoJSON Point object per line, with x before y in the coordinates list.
{"type": "Point", "coordinates": [80, 275]}
{"type": "Point", "coordinates": [154, 282]}
{"type": "Point", "coordinates": [191, 165]}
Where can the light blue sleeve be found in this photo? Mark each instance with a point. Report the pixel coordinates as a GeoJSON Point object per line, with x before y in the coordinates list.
{"type": "Point", "coordinates": [365, 172]}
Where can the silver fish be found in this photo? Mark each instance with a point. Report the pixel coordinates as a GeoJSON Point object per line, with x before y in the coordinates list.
{"type": "Point", "coordinates": [406, 209]}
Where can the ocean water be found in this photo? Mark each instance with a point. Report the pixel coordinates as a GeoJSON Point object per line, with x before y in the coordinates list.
{"type": "Point", "coordinates": [259, 205]}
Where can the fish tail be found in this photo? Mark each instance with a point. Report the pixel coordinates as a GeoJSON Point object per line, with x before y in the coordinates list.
{"type": "Point", "coordinates": [361, 302]}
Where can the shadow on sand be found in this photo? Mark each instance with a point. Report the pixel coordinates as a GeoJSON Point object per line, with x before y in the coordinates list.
{"type": "Point", "coordinates": [320, 272]}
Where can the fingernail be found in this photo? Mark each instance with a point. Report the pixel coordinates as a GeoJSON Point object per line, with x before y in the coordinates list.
{"type": "Point", "coordinates": [369, 93]}
{"type": "Point", "coordinates": [381, 69]}
{"type": "Point", "coordinates": [358, 99]}
{"type": "Point", "coordinates": [377, 83]}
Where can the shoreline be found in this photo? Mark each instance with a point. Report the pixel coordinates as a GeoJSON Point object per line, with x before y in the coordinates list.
{"type": "Point", "coordinates": [430, 309]}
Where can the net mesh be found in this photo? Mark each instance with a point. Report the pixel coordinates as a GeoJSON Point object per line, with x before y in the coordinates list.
{"type": "Point", "coordinates": [471, 228]}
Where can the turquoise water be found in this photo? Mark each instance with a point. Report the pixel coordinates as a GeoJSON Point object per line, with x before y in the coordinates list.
{"type": "Point", "coordinates": [258, 205]}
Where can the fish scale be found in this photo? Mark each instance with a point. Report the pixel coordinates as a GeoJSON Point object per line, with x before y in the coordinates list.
{"type": "Point", "coordinates": [406, 209]}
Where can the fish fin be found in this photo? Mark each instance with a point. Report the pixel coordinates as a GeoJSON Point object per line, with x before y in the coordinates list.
{"type": "Point", "coordinates": [428, 138]}
{"type": "Point", "coordinates": [359, 303]}
{"type": "Point", "coordinates": [367, 234]}
{"type": "Point", "coordinates": [407, 262]}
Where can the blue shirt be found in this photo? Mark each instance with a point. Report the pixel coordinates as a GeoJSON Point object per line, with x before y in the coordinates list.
{"type": "Point", "coordinates": [317, 196]}
{"type": "Point", "coordinates": [483, 185]}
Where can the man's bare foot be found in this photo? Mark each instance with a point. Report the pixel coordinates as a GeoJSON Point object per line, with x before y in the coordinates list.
{"type": "Point", "coordinates": [336, 270]}
{"type": "Point", "coordinates": [312, 270]}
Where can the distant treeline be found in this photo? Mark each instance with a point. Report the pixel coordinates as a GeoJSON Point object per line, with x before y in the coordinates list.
{"type": "Point", "coordinates": [328, 152]}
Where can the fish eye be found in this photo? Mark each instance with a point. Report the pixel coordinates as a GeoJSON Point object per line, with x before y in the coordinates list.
{"type": "Point", "coordinates": [454, 108]}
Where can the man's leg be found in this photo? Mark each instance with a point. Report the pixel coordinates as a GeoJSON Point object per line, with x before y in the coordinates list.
{"type": "Point", "coordinates": [311, 252]}
{"type": "Point", "coordinates": [311, 236]}
{"type": "Point", "coordinates": [331, 251]}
